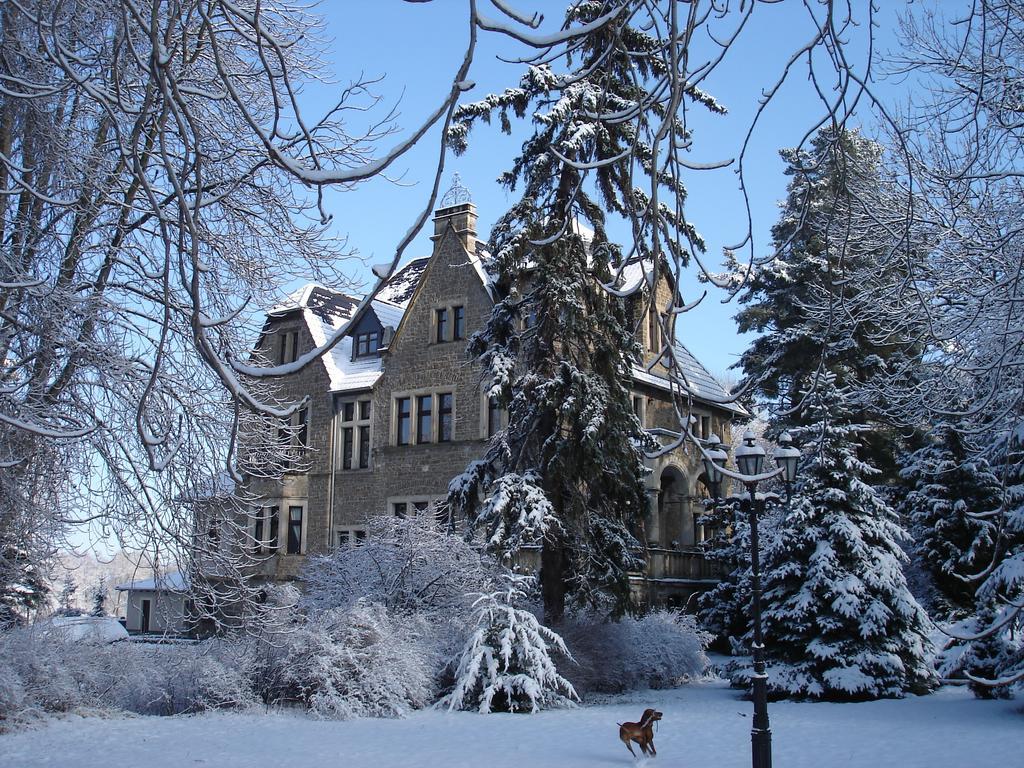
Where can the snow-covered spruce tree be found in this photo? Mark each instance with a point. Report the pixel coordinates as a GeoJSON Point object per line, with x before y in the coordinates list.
{"type": "Point", "coordinates": [506, 663]}
{"type": "Point", "coordinates": [839, 620]}
{"type": "Point", "coordinates": [796, 299]}
{"type": "Point", "coordinates": [567, 472]}
{"type": "Point", "coordinates": [952, 509]}
{"type": "Point", "coordinates": [724, 610]}
{"type": "Point", "coordinates": [980, 648]}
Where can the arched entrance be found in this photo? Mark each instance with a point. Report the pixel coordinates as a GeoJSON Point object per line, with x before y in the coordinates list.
{"type": "Point", "coordinates": [674, 516]}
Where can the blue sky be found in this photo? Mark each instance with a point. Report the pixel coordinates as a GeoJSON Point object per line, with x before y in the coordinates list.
{"type": "Point", "coordinates": [417, 48]}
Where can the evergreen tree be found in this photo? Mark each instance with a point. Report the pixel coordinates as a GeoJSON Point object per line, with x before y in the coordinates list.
{"type": "Point", "coordinates": [66, 598]}
{"type": "Point", "coordinates": [23, 588]}
{"type": "Point", "coordinates": [797, 299]}
{"type": "Point", "coordinates": [558, 349]}
{"type": "Point", "coordinates": [99, 598]}
{"type": "Point", "coordinates": [506, 663]}
{"type": "Point", "coordinates": [952, 509]}
{"type": "Point", "coordinates": [839, 621]}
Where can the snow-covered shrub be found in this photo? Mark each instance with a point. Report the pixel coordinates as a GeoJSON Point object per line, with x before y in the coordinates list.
{"type": "Point", "coordinates": [506, 663]}
{"type": "Point", "coordinates": [360, 662]}
{"type": "Point", "coordinates": [660, 649]}
{"type": "Point", "coordinates": [46, 672]}
{"type": "Point", "coordinates": [977, 652]}
{"type": "Point", "coordinates": [407, 565]}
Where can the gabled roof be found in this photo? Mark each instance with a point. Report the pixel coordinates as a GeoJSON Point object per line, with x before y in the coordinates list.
{"type": "Point", "coordinates": [324, 311]}
{"type": "Point", "coordinates": [400, 288]}
{"type": "Point", "coordinates": [692, 378]}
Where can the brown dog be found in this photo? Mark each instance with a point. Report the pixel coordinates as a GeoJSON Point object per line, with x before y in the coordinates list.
{"type": "Point", "coordinates": [642, 733]}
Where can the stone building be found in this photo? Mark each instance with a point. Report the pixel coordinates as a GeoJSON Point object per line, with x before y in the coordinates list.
{"type": "Point", "coordinates": [397, 409]}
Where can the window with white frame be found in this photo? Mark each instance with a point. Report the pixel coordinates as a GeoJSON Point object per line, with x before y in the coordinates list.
{"type": "Point", "coordinates": [354, 433]}
{"type": "Point", "coordinates": [366, 343]}
{"type": "Point", "coordinates": [424, 418]}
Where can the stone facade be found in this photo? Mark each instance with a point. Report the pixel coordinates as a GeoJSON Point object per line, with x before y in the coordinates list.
{"type": "Point", "coordinates": [389, 427]}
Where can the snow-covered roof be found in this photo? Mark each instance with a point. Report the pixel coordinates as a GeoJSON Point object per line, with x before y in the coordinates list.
{"type": "Point", "coordinates": [97, 630]}
{"type": "Point", "coordinates": [326, 303]}
{"type": "Point", "coordinates": [169, 582]}
{"type": "Point", "coordinates": [345, 374]}
{"type": "Point", "coordinates": [389, 314]}
{"type": "Point", "coordinates": [693, 378]}
{"type": "Point", "coordinates": [399, 289]}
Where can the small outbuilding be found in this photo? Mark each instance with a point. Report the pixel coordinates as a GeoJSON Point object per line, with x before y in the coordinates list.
{"type": "Point", "coordinates": [156, 605]}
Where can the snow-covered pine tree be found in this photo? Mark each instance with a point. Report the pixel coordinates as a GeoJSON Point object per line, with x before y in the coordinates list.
{"type": "Point", "coordinates": [952, 509]}
{"type": "Point", "coordinates": [796, 299]}
{"type": "Point", "coordinates": [567, 472]}
{"type": "Point", "coordinates": [839, 620]}
{"type": "Point", "coordinates": [22, 586]}
{"type": "Point", "coordinates": [506, 663]}
{"type": "Point", "coordinates": [724, 610]}
{"type": "Point", "coordinates": [981, 648]}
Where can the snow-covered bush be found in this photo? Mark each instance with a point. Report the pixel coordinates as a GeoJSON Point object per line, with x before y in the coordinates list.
{"type": "Point", "coordinates": [977, 651]}
{"type": "Point", "coordinates": [407, 565]}
{"type": "Point", "coordinates": [506, 663]}
{"type": "Point", "coordinates": [660, 649]}
{"type": "Point", "coordinates": [45, 672]}
{"type": "Point", "coordinates": [359, 662]}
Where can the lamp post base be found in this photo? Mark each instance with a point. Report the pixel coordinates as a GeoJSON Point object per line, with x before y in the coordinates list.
{"type": "Point", "coordinates": [761, 748]}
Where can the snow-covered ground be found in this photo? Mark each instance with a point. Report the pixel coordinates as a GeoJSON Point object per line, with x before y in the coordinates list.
{"type": "Point", "coordinates": [704, 725]}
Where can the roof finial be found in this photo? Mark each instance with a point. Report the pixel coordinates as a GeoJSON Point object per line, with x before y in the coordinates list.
{"type": "Point", "coordinates": [456, 194]}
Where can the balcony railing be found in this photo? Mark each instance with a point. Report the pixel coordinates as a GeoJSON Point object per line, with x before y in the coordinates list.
{"type": "Point", "coordinates": [689, 564]}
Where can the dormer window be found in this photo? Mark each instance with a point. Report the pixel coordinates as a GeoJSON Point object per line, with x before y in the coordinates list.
{"type": "Point", "coordinates": [288, 352]}
{"type": "Point", "coordinates": [367, 343]}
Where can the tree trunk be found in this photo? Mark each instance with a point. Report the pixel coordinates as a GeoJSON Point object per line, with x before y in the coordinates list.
{"type": "Point", "coordinates": [552, 581]}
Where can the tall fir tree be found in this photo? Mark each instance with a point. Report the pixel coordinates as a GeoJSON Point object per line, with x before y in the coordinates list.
{"type": "Point", "coordinates": [568, 471]}
{"type": "Point", "coordinates": [952, 508]}
{"type": "Point", "coordinates": [796, 299]}
{"type": "Point", "coordinates": [839, 621]}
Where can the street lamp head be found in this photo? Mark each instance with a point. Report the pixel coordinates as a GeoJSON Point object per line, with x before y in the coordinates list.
{"type": "Point", "coordinates": [714, 459]}
{"type": "Point", "coordinates": [787, 456]}
{"type": "Point", "coordinates": [749, 456]}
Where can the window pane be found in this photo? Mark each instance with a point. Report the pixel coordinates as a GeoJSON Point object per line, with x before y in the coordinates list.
{"type": "Point", "coordinates": [348, 411]}
{"type": "Point", "coordinates": [424, 403]}
{"type": "Point", "coordinates": [442, 325]}
{"type": "Point", "coordinates": [419, 507]}
{"type": "Point", "coordinates": [403, 405]}
{"type": "Point", "coordinates": [373, 342]}
{"type": "Point", "coordinates": [346, 448]}
{"type": "Point", "coordinates": [364, 409]}
{"type": "Point", "coordinates": [400, 508]}
{"type": "Point", "coordinates": [303, 433]}
{"type": "Point", "coordinates": [493, 416]}
{"type": "Point", "coordinates": [364, 447]}
{"type": "Point", "coordinates": [294, 530]}
{"type": "Point", "coordinates": [444, 417]}
{"type": "Point", "coordinates": [458, 322]}
{"type": "Point", "coordinates": [272, 518]}
{"type": "Point", "coordinates": [257, 535]}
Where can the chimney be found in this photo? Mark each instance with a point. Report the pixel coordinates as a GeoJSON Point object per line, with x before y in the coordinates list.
{"type": "Point", "coordinates": [462, 218]}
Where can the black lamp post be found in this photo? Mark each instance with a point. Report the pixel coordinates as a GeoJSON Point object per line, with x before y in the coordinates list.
{"type": "Point", "coordinates": [750, 462]}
